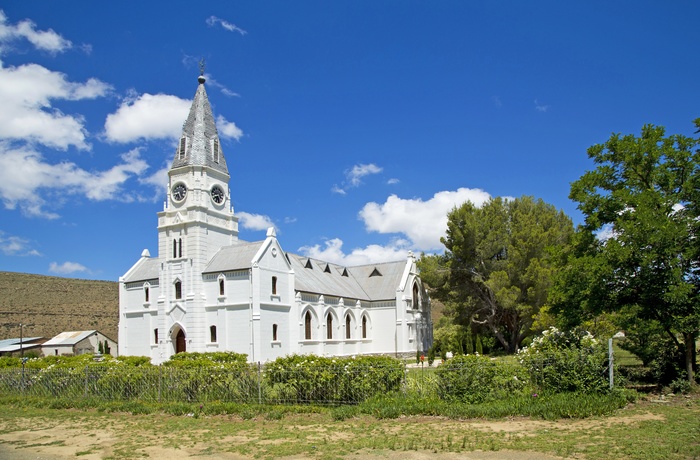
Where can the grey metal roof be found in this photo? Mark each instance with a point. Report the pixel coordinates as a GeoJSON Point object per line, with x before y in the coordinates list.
{"type": "Point", "coordinates": [238, 256]}
{"type": "Point", "coordinates": [357, 285]}
{"type": "Point", "coordinates": [200, 128]}
{"type": "Point", "coordinates": [69, 338]}
{"type": "Point", "coordinates": [148, 269]}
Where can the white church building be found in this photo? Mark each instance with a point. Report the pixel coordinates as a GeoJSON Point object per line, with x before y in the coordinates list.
{"type": "Point", "coordinates": [209, 291]}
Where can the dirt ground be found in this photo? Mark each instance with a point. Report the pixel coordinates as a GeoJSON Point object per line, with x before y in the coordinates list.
{"type": "Point", "coordinates": [45, 439]}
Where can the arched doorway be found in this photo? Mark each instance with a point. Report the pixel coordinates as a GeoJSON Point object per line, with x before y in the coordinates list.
{"type": "Point", "coordinates": [180, 344]}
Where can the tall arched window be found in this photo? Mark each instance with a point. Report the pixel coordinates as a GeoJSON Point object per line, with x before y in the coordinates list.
{"type": "Point", "coordinates": [307, 326]}
{"type": "Point", "coordinates": [274, 333]}
{"type": "Point", "coordinates": [329, 326]}
{"type": "Point", "coordinates": [274, 285]}
{"type": "Point", "coordinates": [221, 286]}
{"type": "Point", "coordinates": [415, 296]}
{"type": "Point", "coordinates": [174, 249]}
{"type": "Point", "coordinates": [178, 289]}
{"type": "Point", "coordinates": [347, 326]}
{"type": "Point", "coordinates": [146, 294]}
{"type": "Point", "coordinates": [155, 336]}
{"type": "Point", "coordinates": [364, 327]}
{"type": "Point", "coordinates": [212, 334]}
{"type": "Point", "coordinates": [179, 252]}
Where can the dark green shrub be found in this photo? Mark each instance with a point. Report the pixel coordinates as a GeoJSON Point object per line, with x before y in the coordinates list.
{"type": "Point", "coordinates": [475, 379]}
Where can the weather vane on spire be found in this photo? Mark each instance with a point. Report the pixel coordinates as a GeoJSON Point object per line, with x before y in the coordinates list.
{"type": "Point", "coordinates": [201, 67]}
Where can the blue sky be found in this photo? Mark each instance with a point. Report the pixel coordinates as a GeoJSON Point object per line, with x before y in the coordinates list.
{"type": "Point", "coordinates": [350, 126]}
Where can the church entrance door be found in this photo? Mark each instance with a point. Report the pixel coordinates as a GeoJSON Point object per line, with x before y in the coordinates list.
{"type": "Point", "coordinates": [180, 346]}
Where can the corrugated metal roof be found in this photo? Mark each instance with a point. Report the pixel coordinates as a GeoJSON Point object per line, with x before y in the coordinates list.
{"type": "Point", "coordinates": [69, 338]}
{"type": "Point", "coordinates": [238, 256]}
{"type": "Point", "coordinates": [25, 341]}
{"type": "Point", "coordinates": [148, 269]}
{"type": "Point", "coordinates": [357, 285]}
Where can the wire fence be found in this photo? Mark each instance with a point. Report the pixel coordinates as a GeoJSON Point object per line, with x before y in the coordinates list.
{"type": "Point", "coordinates": [473, 382]}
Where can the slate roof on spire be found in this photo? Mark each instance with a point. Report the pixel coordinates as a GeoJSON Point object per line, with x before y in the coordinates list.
{"type": "Point", "coordinates": [202, 136]}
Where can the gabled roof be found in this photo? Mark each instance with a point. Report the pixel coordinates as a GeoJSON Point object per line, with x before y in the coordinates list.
{"type": "Point", "coordinates": [238, 256]}
{"type": "Point", "coordinates": [145, 269]}
{"type": "Point", "coordinates": [200, 129]}
{"type": "Point", "coordinates": [358, 284]}
{"type": "Point", "coordinates": [69, 338]}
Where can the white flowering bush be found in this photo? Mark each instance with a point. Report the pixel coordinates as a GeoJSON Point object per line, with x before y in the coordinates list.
{"type": "Point", "coordinates": [566, 361]}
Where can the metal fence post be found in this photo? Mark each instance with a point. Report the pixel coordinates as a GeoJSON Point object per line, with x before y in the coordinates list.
{"type": "Point", "coordinates": [259, 384]}
{"type": "Point", "coordinates": [160, 381]}
{"type": "Point", "coordinates": [610, 362]}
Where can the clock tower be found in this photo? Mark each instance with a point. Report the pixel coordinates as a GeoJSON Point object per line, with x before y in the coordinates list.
{"type": "Point", "coordinates": [197, 220]}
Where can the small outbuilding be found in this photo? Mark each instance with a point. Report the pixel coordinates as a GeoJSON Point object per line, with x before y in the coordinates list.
{"type": "Point", "coordinates": [79, 343]}
{"type": "Point", "coordinates": [20, 346]}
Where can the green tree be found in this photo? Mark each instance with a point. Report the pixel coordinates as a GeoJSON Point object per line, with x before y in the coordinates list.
{"type": "Point", "coordinates": [638, 247]}
{"type": "Point", "coordinates": [499, 261]}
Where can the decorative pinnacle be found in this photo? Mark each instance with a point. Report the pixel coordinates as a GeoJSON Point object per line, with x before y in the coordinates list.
{"type": "Point", "coordinates": [201, 78]}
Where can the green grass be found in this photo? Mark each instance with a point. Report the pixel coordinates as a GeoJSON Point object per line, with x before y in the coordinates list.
{"type": "Point", "coordinates": [641, 430]}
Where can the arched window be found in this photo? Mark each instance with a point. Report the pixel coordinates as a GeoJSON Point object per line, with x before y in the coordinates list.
{"type": "Point", "coordinates": [415, 296]}
{"type": "Point", "coordinates": [155, 336]}
{"type": "Point", "coordinates": [212, 334]}
{"type": "Point", "coordinates": [174, 249]}
{"type": "Point", "coordinates": [179, 252]}
{"type": "Point", "coordinates": [221, 286]}
{"type": "Point", "coordinates": [307, 326]}
{"type": "Point", "coordinates": [274, 333]}
{"type": "Point", "coordinates": [329, 326]}
{"type": "Point", "coordinates": [178, 289]}
{"type": "Point", "coordinates": [274, 285]}
{"type": "Point", "coordinates": [364, 327]}
{"type": "Point", "coordinates": [347, 326]}
{"type": "Point", "coordinates": [146, 294]}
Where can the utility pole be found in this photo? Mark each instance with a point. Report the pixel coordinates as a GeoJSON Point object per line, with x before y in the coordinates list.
{"type": "Point", "coordinates": [21, 339]}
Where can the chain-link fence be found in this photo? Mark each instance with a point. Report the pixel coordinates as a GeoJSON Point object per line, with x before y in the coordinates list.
{"type": "Point", "coordinates": [471, 379]}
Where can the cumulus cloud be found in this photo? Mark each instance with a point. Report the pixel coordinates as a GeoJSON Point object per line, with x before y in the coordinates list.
{"type": "Point", "coordinates": [16, 246]}
{"type": "Point", "coordinates": [66, 268]}
{"type": "Point", "coordinates": [213, 21]}
{"type": "Point", "coordinates": [332, 251]}
{"type": "Point", "coordinates": [147, 117]}
{"type": "Point", "coordinates": [254, 221]}
{"type": "Point", "coordinates": [27, 180]}
{"type": "Point", "coordinates": [353, 177]}
{"type": "Point", "coordinates": [228, 129]}
{"type": "Point", "coordinates": [423, 222]}
{"type": "Point", "coordinates": [27, 92]}
{"type": "Point", "coordinates": [45, 40]}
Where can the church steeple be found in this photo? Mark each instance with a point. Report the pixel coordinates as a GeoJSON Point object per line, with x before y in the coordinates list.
{"type": "Point", "coordinates": [199, 144]}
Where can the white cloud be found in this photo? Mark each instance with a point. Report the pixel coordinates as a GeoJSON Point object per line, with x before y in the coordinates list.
{"type": "Point", "coordinates": [332, 252]}
{"type": "Point", "coordinates": [16, 246]}
{"type": "Point", "coordinates": [541, 107]}
{"type": "Point", "coordinates": [393, 181]}
{"type": "Point", "coordinates": [66, 268]}
{"type": "Point", "coordinates": [423, 222]}
{"type": "Point", "coordinates": [147, 117]}
{"type": "Point", "coordinates": [213, 20]}
{"type": "Point", "coordinates": [255, 221]}
{"type": "Point", "coordinates": [353, 177]}
{"type": "Point", "coordinates": [27, 180]}
{"type": "Point", "coordinates": [228, 129]}
{"type": "Point", "coordinates": [27, 92]}
{"type": "Point", "coordinates": [45, 40]}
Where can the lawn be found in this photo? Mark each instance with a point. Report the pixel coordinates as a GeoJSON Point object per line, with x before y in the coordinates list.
{"type": "Point", "coordinates": [651, 428]}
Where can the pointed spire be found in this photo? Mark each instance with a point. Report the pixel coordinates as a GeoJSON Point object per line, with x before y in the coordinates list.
{"type": "Point", "coordinates": [200, 144]}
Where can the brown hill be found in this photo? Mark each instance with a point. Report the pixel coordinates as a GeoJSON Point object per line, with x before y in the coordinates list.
{"type": "Point", "coordinates": [49, 305]}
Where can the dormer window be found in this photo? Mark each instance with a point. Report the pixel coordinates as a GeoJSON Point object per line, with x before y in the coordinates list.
{"type": "Point", "coordinates": [182, 149]}
{"type": "Point", "coordinates": [216, 152]}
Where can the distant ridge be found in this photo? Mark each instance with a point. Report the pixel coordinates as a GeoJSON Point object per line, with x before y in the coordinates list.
{"type": "Point", "coordinates": [49, 305]}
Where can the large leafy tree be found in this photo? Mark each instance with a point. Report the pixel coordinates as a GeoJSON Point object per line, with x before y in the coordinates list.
{"type": "Point", "coordinates": [638, 247]}
{"type": "Point", "coordinates": [498, 264]}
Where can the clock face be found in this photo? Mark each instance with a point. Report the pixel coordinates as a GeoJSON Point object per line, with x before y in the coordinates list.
{"type": "Point", "coordinates": [217, 194]}
{"type": "Point", "coordinates": [179, 192]}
